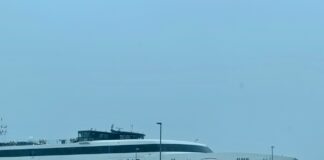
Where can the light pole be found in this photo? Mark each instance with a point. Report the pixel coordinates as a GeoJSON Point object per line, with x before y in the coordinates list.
{"type": "Point", "coordinates": [160, 124]}
{"type": "Point", "coordinates": [272, 147]}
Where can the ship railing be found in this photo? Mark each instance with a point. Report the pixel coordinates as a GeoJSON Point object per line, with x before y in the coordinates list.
{"type": "Point", "coordinates": [38, 142]}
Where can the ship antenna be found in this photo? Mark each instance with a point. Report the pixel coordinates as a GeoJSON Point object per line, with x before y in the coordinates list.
{"type": "Point", "coordinates": [112, 127]}
{"type": "Point", "coordinates": [3, 127]}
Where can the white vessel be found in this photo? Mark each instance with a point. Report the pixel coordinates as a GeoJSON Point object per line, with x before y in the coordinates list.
{"type": "Point", "coordinates": [118, 145]}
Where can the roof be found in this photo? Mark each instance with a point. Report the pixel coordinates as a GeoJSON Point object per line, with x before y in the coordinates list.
{"type": "Point", "coordinates": [105, 143]}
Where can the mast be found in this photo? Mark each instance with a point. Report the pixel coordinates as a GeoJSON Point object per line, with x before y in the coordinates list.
{"type": "Point", "coordinates": [3, 127]}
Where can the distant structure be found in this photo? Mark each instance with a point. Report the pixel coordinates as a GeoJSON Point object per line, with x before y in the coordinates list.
{"type": "Point", "coordinates": [3, 127]}
{"type": "Point", "coordinates": [116, 144]}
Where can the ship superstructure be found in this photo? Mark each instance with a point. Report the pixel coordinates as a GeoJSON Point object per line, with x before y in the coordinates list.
{"type": "Point", "coordinates": [117, 145]}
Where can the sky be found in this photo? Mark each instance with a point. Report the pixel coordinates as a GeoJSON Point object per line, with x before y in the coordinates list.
{"type": "Point", "coordinates": [236, 75]}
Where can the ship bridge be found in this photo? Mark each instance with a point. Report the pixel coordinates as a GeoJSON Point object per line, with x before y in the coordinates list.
{"type": "Point", "coordinates": [92, 135]}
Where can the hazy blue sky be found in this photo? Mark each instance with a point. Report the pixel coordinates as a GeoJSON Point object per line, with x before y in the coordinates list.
{"type": "Point", "coordinates": [237, 75]}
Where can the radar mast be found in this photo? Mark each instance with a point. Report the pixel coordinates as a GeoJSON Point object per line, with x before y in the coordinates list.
{"type": "Point", "coordinates": [3, 127]}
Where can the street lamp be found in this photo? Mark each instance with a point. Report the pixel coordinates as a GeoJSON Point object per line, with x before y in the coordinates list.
{"type": "Point", "coordinates": [160, 124]}
{"type": "Point", "coordinates": [272, 147]}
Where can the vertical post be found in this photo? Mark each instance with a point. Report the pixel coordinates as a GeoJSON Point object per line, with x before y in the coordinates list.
{"type": "Point", "coordinates": [136, 150]}
{"type": "Point", "coordinates": [272, 147]}
{"type": "Point", "coordinates": [160, 124]}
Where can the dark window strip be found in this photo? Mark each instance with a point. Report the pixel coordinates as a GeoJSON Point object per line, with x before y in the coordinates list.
{"type": "Point", "coordinates": [103, 150]}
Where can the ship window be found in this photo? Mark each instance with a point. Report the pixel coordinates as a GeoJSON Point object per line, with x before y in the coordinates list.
{"type": "Point", "coordinates": [243, 158]}
{"type": "Point", "coordinates": [105, 149]}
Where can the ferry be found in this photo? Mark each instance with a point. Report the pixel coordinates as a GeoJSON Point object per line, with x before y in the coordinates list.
{"type": "Point", "coordinates": [118, 145]}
